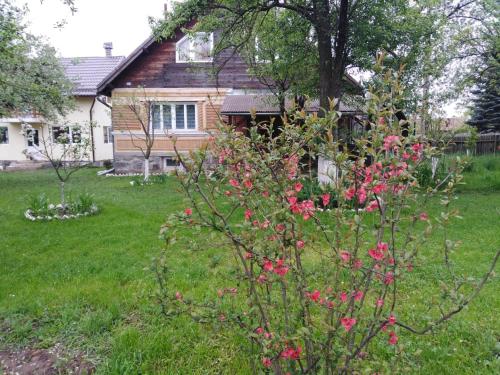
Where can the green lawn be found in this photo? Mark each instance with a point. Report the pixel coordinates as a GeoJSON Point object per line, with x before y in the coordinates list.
{"type": "Point", "coordinates": [87, 283]}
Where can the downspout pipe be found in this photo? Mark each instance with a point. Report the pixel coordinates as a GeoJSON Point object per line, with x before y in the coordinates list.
{"type": "Point", "coordinates": [91, 117]}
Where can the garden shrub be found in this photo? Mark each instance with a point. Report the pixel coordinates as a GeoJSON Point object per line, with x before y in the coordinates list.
{"type": "Point", "coordinates": [313, 290]}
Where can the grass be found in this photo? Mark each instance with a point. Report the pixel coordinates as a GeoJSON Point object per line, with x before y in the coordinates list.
{"type": "Point", "coordinates": [87, 283]}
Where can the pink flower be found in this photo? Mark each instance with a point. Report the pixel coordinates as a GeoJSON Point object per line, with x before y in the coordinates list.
{"type": "Point", "coordinates": [382, 246]}
{"type": "Point", "coordinates": [417, 147]}
{"type": "Point", "coordinates": [380, 188]}
{"type": "Point", "coordinates": [349, 194]}
{"type": "Point", "coordinates": [280, 227]}
{"type": "Point", "coordinates": [326, 199]}
{"type": "Point", "coordinates": [358, 296]}
{"type": "Point", "coordinates": [348, 323]}
{"type": "Point", "coordinates": [345, 256]}
{"type": "Point", "coordinates": [262, 279]}
{"type": "Point", "coordinates": [391, 320]}
{"type": "Point", "coordinates": [423, 216]}
{"type": "Point", "coordinates": [234, 183]}
{"type": "Point", "coordinates": [406, 156]}
{"type": "Point", "coordinates": [388, 278]}
{"type": "Point", "coordinates": [393, 339]}
{"type": "Point", "coordinates": [188, 211]}
{"type": "Point", "coordinates": [390, 142]}
{"type": "Point", "coordinates": [380, 302]}
{"type": "Point", "coordinates": [268, 265]}
{"type": "Point", "coordinates": [376, 254]}
{"type": "Point", "coordinates": [372, 206]}
{"type": "Point", "coordinates": [259, 330]}
{"type": "Point", "coordinates": [248, 214]}
{"type": "Point", "coordinates": [248, 255]}
{"type": "Point", "coordinates": [178, 296]}
{"type": "Point", "coordinates": [292, 200]}
{"type": "Point", "coordinates": [307, 208]}
{"type": "Point", "coordinates": [343, 297]}
{"type": "Point", "coordinates": [291, 353]}
{"type": "Point", "coordinates": [248, 184]}
{"type": "Point", "coordinates": [265, 194]}
{"type": "Point", "coordinates": [361, 193]}
{"type": "Point", "coordinates": [314, 296]}
{"type": "Point", "coordinates": [298, 187]}
{"type": "Point", "coordinates": [266, 362]}
{"type": "Point", "coordinates": [281, 270]}
{"type": "Point", "coordinates": [300, 244]}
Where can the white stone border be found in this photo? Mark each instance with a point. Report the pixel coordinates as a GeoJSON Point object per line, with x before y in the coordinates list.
{"type": "Point", "coordinates": [28, 214]}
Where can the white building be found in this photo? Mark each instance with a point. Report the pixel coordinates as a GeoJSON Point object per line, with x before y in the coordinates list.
{"type": "Point", "coordinates": [86, 73]}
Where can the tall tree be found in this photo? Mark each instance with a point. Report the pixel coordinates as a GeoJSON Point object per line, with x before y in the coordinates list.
{"type": "Point", "coordinates": [342, 33]}
{"type": "Point", "coordinates": [31, 78]}
{"type": "Point", "coordinates": [486, 103]}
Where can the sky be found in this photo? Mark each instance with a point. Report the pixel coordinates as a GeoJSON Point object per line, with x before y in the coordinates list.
{"type": "Point", "coordinates": [122, 22]}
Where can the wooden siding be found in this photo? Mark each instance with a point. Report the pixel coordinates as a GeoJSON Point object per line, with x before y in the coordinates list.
{"type": "Point", "coordinates": [156, 67]}
{"type": "Point", "coordinates": [162, 144]}
{"type": "Point", "coordinates": [125, 122]}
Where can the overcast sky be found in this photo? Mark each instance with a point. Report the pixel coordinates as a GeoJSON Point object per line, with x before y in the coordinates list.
{"type": "Point", "coordinates": [123, 22]}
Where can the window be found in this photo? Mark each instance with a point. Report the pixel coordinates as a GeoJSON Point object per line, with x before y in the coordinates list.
{"type": "Point", "coordinates": [66, 134]}
{"type": "Point", "coordinates": [32, 137]}
{"type": "Point", "coordinates": [173, 116]}
{"type": "Point", "coordinates": [195, 48]}
{"type": "Point", "coordinates": [4, 135]}
{"type": "Point", "coordinates": [170, 161]}
{"type": "Point", "coordinates": [108, 137]}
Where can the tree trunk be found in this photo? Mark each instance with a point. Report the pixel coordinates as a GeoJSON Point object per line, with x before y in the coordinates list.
{"type": "Point", "coordinates": [325, 62]}
{"type": "Point", "coordinates": [340, 49]}
{"type": "Point", "coordinates": [146, 169]}
{"type": "Point", "coordinates": [63, 198]}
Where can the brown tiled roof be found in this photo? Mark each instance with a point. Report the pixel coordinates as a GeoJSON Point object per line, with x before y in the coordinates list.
{"type": "Point", "coordinates": [87, 72]}
{"type": "Point", "coordinates": [267, 105]}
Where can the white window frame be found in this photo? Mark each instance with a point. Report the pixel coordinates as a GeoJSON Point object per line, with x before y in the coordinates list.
{"type": "Point", "coordinates": [174, 128]}
{"type": "Point", "coordinates": [6, 135]}
{"type": "Point", "coordinates": [107, 131]}
{"type": "Point", "coordinates": [70, 133]}
{"type": "Point", "coordinates": [191, 49]}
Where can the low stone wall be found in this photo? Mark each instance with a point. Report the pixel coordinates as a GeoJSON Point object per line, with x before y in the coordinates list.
{"type": "Point", "coordinates": [126, 163]}
{"type": "Point", "coordinates": [134, 163]}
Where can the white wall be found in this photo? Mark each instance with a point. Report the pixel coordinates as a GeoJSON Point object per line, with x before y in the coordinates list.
{"type": "Point", "coordinates": [13, 151]}
{"type": "Point", "coordinates": [101, 116]}
{"type": "Point", "coordinates": [17, 143]}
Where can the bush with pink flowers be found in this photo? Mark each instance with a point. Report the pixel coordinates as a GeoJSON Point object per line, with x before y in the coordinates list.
{"type": "Point", "coordinates": [314, 289]}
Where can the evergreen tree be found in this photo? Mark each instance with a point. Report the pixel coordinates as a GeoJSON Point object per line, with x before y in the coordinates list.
{"type": "Point", "coordinates": [486, 103]}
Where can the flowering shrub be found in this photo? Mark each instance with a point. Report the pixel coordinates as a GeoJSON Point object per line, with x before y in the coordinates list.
{"type": "Point", "coordinates": [316, 287]}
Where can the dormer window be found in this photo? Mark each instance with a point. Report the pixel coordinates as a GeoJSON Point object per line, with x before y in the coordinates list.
{"type": "Point", "coordinates": [195, 48]}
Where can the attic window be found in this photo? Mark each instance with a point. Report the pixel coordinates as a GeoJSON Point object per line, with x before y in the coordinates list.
{"type": "Point", "coordinates": [195, 48]}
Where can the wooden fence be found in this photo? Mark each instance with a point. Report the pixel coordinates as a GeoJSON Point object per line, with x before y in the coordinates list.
{"type": "Point", "coordinates": [486, 144]}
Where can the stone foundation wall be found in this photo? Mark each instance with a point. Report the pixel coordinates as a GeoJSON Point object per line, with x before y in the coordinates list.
{"type": "Point", "coordinates": [126, 163]}
{"type": "Point", "coordinates": [134, 163]}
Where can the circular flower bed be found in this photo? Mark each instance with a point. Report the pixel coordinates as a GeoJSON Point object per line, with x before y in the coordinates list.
{"type": "Point", "coordinates": [41, 210]}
